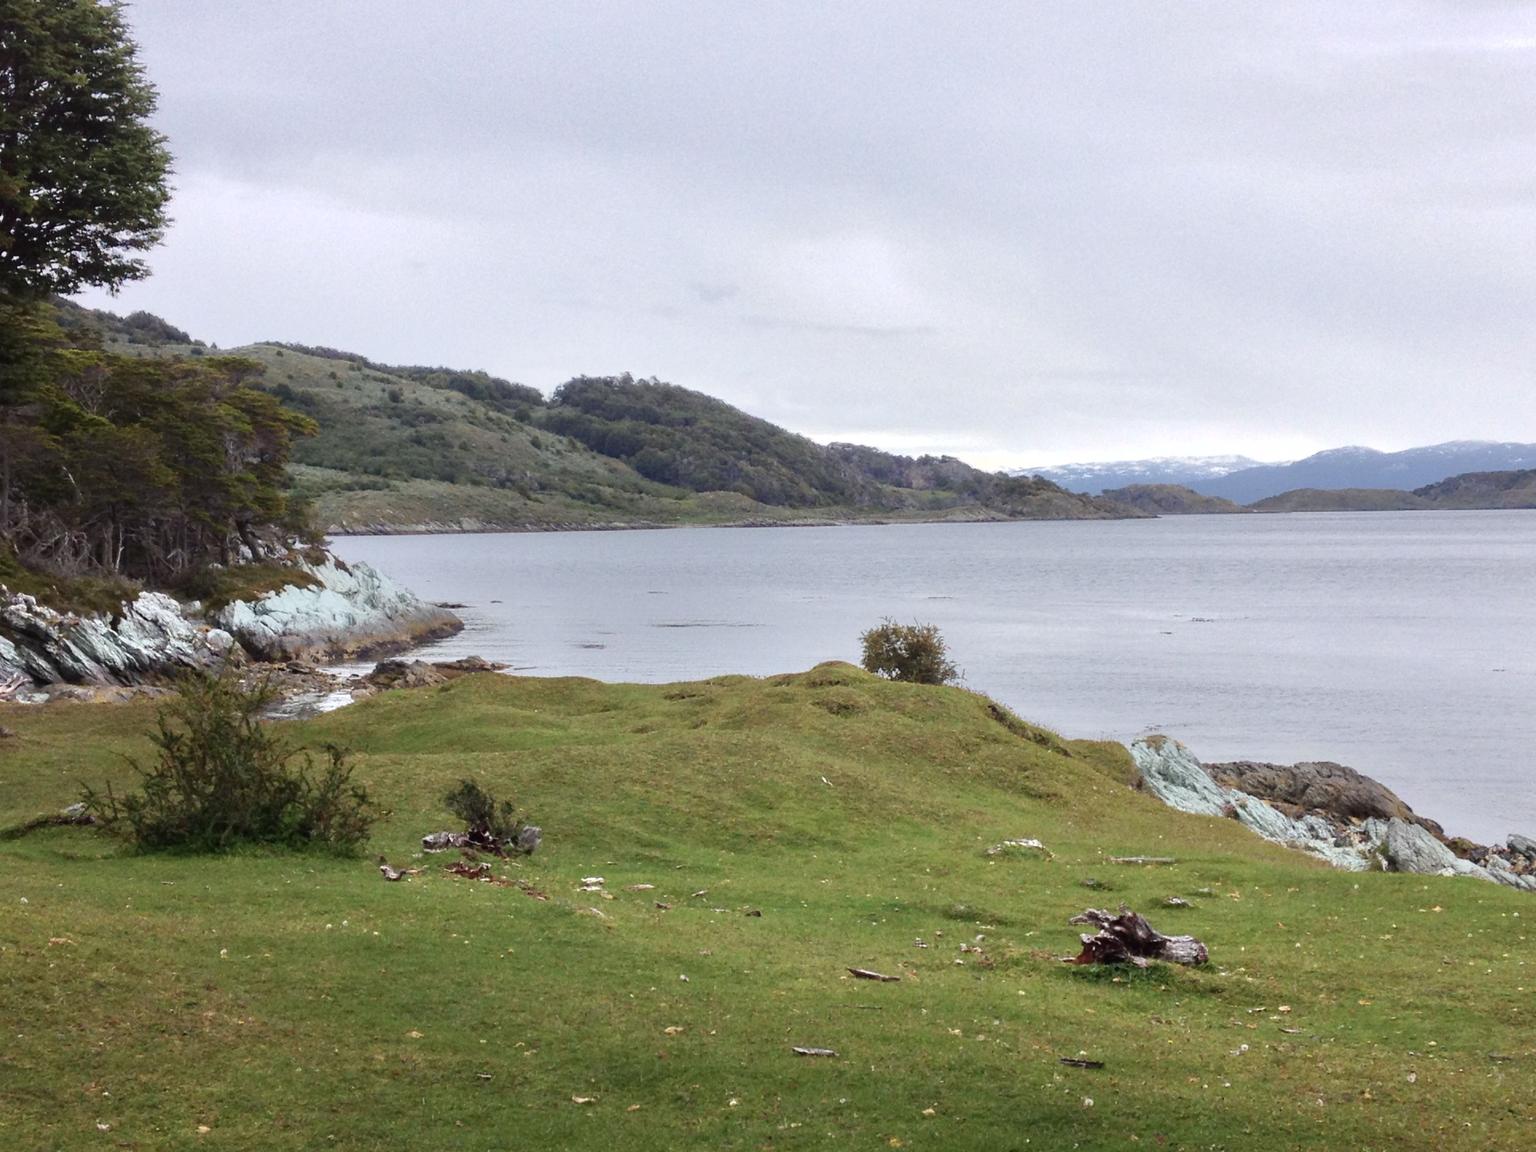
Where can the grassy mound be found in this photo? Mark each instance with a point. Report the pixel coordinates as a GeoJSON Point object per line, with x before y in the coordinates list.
{"type": "Point", "coordinates": [299, 1002]}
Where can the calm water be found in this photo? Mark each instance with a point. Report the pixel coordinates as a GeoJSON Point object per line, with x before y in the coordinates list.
{"type": "Point", "coordinates": [1403, 644]}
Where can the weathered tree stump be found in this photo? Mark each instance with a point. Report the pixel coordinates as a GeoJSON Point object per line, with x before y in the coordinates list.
{"type": "Point", "coordinates": [1127, 938]}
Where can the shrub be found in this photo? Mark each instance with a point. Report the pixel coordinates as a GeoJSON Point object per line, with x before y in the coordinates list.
{"type": "Point", "coordinates": [485, 819]}
{"type": "Point", "coordinates": [221, 778]}
{"type": "Point", "coordinates": [915, 653]}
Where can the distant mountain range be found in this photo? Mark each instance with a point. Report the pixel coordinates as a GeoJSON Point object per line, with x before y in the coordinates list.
{"type": "Point", "coordinates": [1243, 481]}
{"type": "Point", "coordinates": [1468, 490]}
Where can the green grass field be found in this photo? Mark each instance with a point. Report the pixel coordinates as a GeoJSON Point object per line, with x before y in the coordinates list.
{"type": "Point", "coordinates": [300, 1002]}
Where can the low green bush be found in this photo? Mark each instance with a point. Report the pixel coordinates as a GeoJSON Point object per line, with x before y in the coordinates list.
{"type": "Point", "coordinates": [485, 818]}
{"type": "Point", "coordinates": [915, 653]}
{"type": "Point", "coordinates": [222, 778]}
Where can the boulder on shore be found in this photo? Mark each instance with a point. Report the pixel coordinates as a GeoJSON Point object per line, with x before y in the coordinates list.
{"type": "Point", "coordinates": [420, 674]}
{"type": "Point", "coordinates": [405, 674]}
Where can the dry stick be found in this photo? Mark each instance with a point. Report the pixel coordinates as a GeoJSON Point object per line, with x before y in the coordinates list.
{"type": "Point", "coordinates": [866, 974]}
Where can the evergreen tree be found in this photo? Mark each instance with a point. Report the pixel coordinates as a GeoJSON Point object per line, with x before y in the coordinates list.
{"type": "Point", "coordinates": [82, 173]}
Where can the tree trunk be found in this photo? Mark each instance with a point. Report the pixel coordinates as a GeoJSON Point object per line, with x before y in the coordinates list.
{"type": "Point", "coordinates": [1129, 939]}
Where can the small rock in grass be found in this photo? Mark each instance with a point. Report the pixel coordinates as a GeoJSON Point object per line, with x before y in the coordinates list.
{"type": "Point", "coordinates": [1020, 844]}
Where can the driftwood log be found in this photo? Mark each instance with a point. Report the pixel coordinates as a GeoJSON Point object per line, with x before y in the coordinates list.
{"type": "Point", "coordinates": [525, 839]}
{"type": "Point", "coordinates": [867, 974]}
{"type": "Point", "coordinates": [1127, 938]}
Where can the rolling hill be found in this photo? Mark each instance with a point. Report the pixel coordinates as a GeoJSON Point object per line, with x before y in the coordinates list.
{"type": "Point", "coordinates": [1341, 500]}
{"type": "Point", "coordinates": [419, 448]}
{"type": "Point", "coordinates": [1474, 490]}
{"type": "Point", "coordinates": [1170, 500]}
{"type": "Point", "coordinates": [1483, 490]}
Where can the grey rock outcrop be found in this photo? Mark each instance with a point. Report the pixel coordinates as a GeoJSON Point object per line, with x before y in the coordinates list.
{"type": "Point", "coordinates": [150, 637]}
{"type": "Point", "coordinates": [1522, 846]}
{"type": "Point", "coordinates": [352, 611]}
{"type": "Point", "coordinates": [1317, 786]}
{"type": "Point", "coordinates": [349, 611]}
{"type": "Point", "coordinates": [1171, 772]}
{"type": "Point", "coordinates": [1409, 848]}
{"type": "Point", "coordinates": [1389, 836]}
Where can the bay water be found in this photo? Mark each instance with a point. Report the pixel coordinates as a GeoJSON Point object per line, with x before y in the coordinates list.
{"type": "Point", "coordinates": [1401, 644]}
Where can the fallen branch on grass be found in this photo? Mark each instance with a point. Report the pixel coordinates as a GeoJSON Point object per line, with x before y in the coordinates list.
{"type": "Point", "coordinates": [393, 874]}
{"type": "Point", "coordinates": [866, 974]}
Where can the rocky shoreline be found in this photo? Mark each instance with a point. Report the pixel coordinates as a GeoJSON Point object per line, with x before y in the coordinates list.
{"type": "Point", "coordinates": [339, 612]}
{"type": "Point", "coordinates": [1326, 810]}
{"type": "Point", "coordinates": [349, 612]}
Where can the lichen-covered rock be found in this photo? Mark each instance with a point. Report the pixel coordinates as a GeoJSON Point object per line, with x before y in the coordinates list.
{"type": "Point", "coordinates": [1172, 773]}
{"type": "Point", "coordinates": [1410, 848]}
{"type": "Point", "coordinates": [353, 611]}
{"type": "Point", "coordinates": [350, 612]}
{"type": "Point", "coordinates": [149, 638]}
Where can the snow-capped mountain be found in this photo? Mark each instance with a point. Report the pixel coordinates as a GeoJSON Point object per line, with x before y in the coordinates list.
{"type": "Point", "coordinates": [1356, 467]}
{"type": "Point", "coordinates": [1243, 480]}
{"type": "Point", "coordinates": [1095, 478]}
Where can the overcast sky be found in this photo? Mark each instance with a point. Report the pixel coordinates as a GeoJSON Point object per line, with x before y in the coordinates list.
{"type": "Point", "coordinates": [1019, 233]}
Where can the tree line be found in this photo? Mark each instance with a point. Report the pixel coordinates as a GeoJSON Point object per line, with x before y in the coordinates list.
{"type": "Point", "coordinates": [112, 464]}
{"type": "Point", "coordinates": [147, 468]}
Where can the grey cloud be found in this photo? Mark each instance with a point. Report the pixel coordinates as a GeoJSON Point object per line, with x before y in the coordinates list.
{"type": "Point", "coordinates": [715, 293]}
{"type": "Point", "coordinates": [1034, 230]}
{"type": "Point", "coordinates": [875, 330]}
